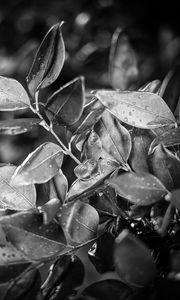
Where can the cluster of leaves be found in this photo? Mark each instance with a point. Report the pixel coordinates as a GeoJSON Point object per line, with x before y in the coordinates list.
{"type": "Point", "coordinates": [126, 198]}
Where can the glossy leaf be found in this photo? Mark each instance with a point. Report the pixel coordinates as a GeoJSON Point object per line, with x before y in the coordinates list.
{"type": "Point", "coordinates": [166, 167]}
{"type": "Point", "coordinates": [40, 165]}
{"type": "Point", "coordinates": [9, 254]}
{"type": "Point", "coordinates": [12, 95]}
{"type": "Point", "coordinates": [168, 138]}
{"type": "Point", "coordinates": [87, 170]}
{"type": "Point", "coordinates": [133, 261]}
{"type": "Point", "coordinates": [106, 167]}
{"type": "Point", "coordinates": [123, 64]}
{"type": "Point", "coordinates": [15, 198]}
{"type": "Point", "coordinates": [141, 140]}
{"type": "Point", "coordinates": [107, 289]}
{"type": "Point", "coordinates": [48, 61]}
{"type": "Point", "coordinates": [61, 185]}
{"type": "Point", "coordinates": [175, 198]}
{"type": "Point", "coordinates": [93, 146]}
{"type": "Point", "coordinates": [66, 274]}
{"type": "Point", "coordinates": [18, 126]}
{"type": "Point", "coordinates": [50, 209]}
{"type": "Point", "coordinates": [65, 106]}
{"type": "Point", "coordinates": [34, 247]}
{"type": "Point", "coordinates": [138, 188]}
{"type": "Point", "coordinates": [152, 86]}
{"type": "Point", "coordinates": [79, 222]}
{"type": "Point", "coordinates": [170, 89]}
{"type": "Point", "coordinates": [140, 109]}
{"type": "Point", "coordinates": [114, 137]}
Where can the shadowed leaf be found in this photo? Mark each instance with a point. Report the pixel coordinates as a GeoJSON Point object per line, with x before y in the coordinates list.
{"type": "Point", "coordinates": [175, 198]}
{"type": "Point", "coordinates": [87, 170]}
{"type": "Point", "coordinates": [18, 126]}
{"type": "Point", "coordinates": [12, 95]}
{"type": "Point", "coordinates": [152, 87]}
{"type": "Point", "coordinates": [138, 188]}
{"type": "Point", "coordinates": [16, 198]}
{"type": "Point", "coordinates": [65, 106]}
{"type": "Point", "coordinates": [40, 165]}
{"type": "Point", "coordinates": [133, 261]}
{"type": "Point", "coordinates": [93, 146]}
{"type": "Point", "coordinates": [140, 109]}
{"type": "Point", "coordinates": [48, 61]}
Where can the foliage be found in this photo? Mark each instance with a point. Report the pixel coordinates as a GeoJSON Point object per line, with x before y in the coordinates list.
{"type": "Point", "coordinates": [125, 201]}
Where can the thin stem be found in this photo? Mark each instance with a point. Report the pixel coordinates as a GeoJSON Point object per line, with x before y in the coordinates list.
{"type": "Point", "coordinates": [36, 101]}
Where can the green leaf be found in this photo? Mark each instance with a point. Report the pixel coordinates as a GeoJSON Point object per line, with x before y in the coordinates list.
{"type": "Point", "coordinates": [106, 167]}
{"type": "Point", "coordinates": [140, 109]}
{"type": "Point", "coordinates": [50, 209]}
{"type": "Point", "coordinates": [92, 148]}
{"type": "Point", "coordinates": [170, 89]}
{"type": "Point", "coordinates": [107, 289]}
{"type": "Point", "coordinates": [138, 188]}
{"type": "Point", "coordinates": [166, 167]}
{"type": "Point", "coordinates": [115, 138]}
{"type": "Point", "coordinates": [40, 165]}
{"type": "Point", "coordinates": [168, 138]}
{"type": "Point", "coordinates": [65, 106]}
{"type": "Point", "coordinates": [123, 64]}
{"type": "Point", "coordinates": [18, 126]}
{"type": "Point", "coordinates": [141, 140]}
{"type": "Point", "coordinates": [12, 95]}
{"type": "Point", "coordinates": [175, 198]}
{"type": "Point", "coordinates": [133, 261]}
{"type": "Point", "coordinates": [61, 185]}
{"type": "Point", "coordinates": [87, 170]}
{"type": "Point", "coordinates": [79, 222]}
{"type": "Point", "coordinates": [152, 86]}
{"type": "Point", "coordinates": [15, 198]}
{"type": "Point", "coordinates": [48, 61]}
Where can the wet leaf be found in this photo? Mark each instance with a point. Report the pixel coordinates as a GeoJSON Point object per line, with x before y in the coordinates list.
{"type": "Point", "coordinates": [106, 290]}
{"type": "Point", "coordinates": [61, 185]}
{"type": "Point", "coordinates": [15, 198]}
{"type": "Point", "coordinates": [106, 167]}
{"type": "Point", "coordinates": [12, 95]}
{"type": "Point", "coordinates": [152, 86]}
{"type": "Point", "coordinates": [133, 261]}
{"type": "Point", "coordinates": [66, 274]}
{"type": "Point", "coordinates": [18, 126]}
{"type": "Point", "coordinates": [165, 166]}
{"type": "Point", "coordinates": [9, 254]}
{"type": "Point", "coordinates": [50, 209]}
{"type": "Point", "coordinates": [175, 198]}
{"type": "Point", "coordinates": [140, 109]}
{"type": "Point", "coordinates": [40, 165]}
{"type": "Point", "coordinates": [170, 89]}
{"type": "Point", "coordinates": [141, 140]}
{"type": "Point", "coordinates": [168, 139]}
{"type": "Point", "coordinates": [93, 146]}
{"type": "Point", "coordinates": [65, 106]}
{"type": "Point", "coordinates": [48, 61]}
{"type": "Point", "coordinates": [87, 170]}
{"type": "Point", "coordinates": [123, 64]}
{"type": "Point", "coordinates": [114, 137]}
{"type": "Point", "coordinates": [138, 188]}
{"type": "Point", "coordinates": [79, 222]}
{"type": "Point", "coordinates": [34, 247]}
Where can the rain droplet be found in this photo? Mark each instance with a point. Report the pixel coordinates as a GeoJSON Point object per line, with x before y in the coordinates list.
{"type": "Point", "coordinates": [125, 119]}
{"type": "Point", "coordinates": [146, 107]}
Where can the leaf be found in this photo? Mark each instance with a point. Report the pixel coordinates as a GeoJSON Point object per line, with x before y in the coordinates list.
{"type": "Point", "coordinates": [12, 95]}
{"type": "Point", "coordinates": [165, 166]}
{"type": "Point", "coordinates": [50, 209]}
{"type": "Point", "coordinates": [93, 146]}
{"type": "Point", "coordinates": [106, 167]}
{"type": "Point", "coordinates": [61, 185]}
{"type": "Point", "coordinates": [138, 188]}
{"type": "Point", "coordinates": [133, 261]}
{"type": "Point", "coordinates": [168, 139]}
{"type": "Point", "coordinates": [11, 255]}
{"type": "Point", "coordinates": [175, 198]}
{"type": "Point", "coordinates": [170, 90]}
{"type": "Point", "coordinates": [152, 86]}
{"type": "Point", "coordinates": [65, 106]}
{"type": "Point", "coordinates": [115, 138]}
{"type": "Point", "coordinates": [66, 274]}
{"type": "Point", "coordinates": [87, 170]}
{"type": "Point", "coordinates": [15, 198]}
{"type": "Point", "coordinates": [123, 64]}
{"type": "Point", "coordinates": [79, 222]}
{"type": "Point", "coordinates": [141, 140]}
{"type": "Point", "coordinates": [40, 165]}
{"type": "Point", "coordinates": [140, 109]}
{"type": "Point", "coordinates": [18, 126]}
{"type": "Point", "coordinates": [32, 246]}
{"type": "Point", "coordinates": [48, 61]}
{"type": "Point", "coordinates": [107, 289]}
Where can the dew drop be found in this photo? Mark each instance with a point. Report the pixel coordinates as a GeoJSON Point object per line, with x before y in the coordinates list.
{"type": "Point", "coordinates": [125, 119]}
{"type": "Point", "coordinates": [146, 107]}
